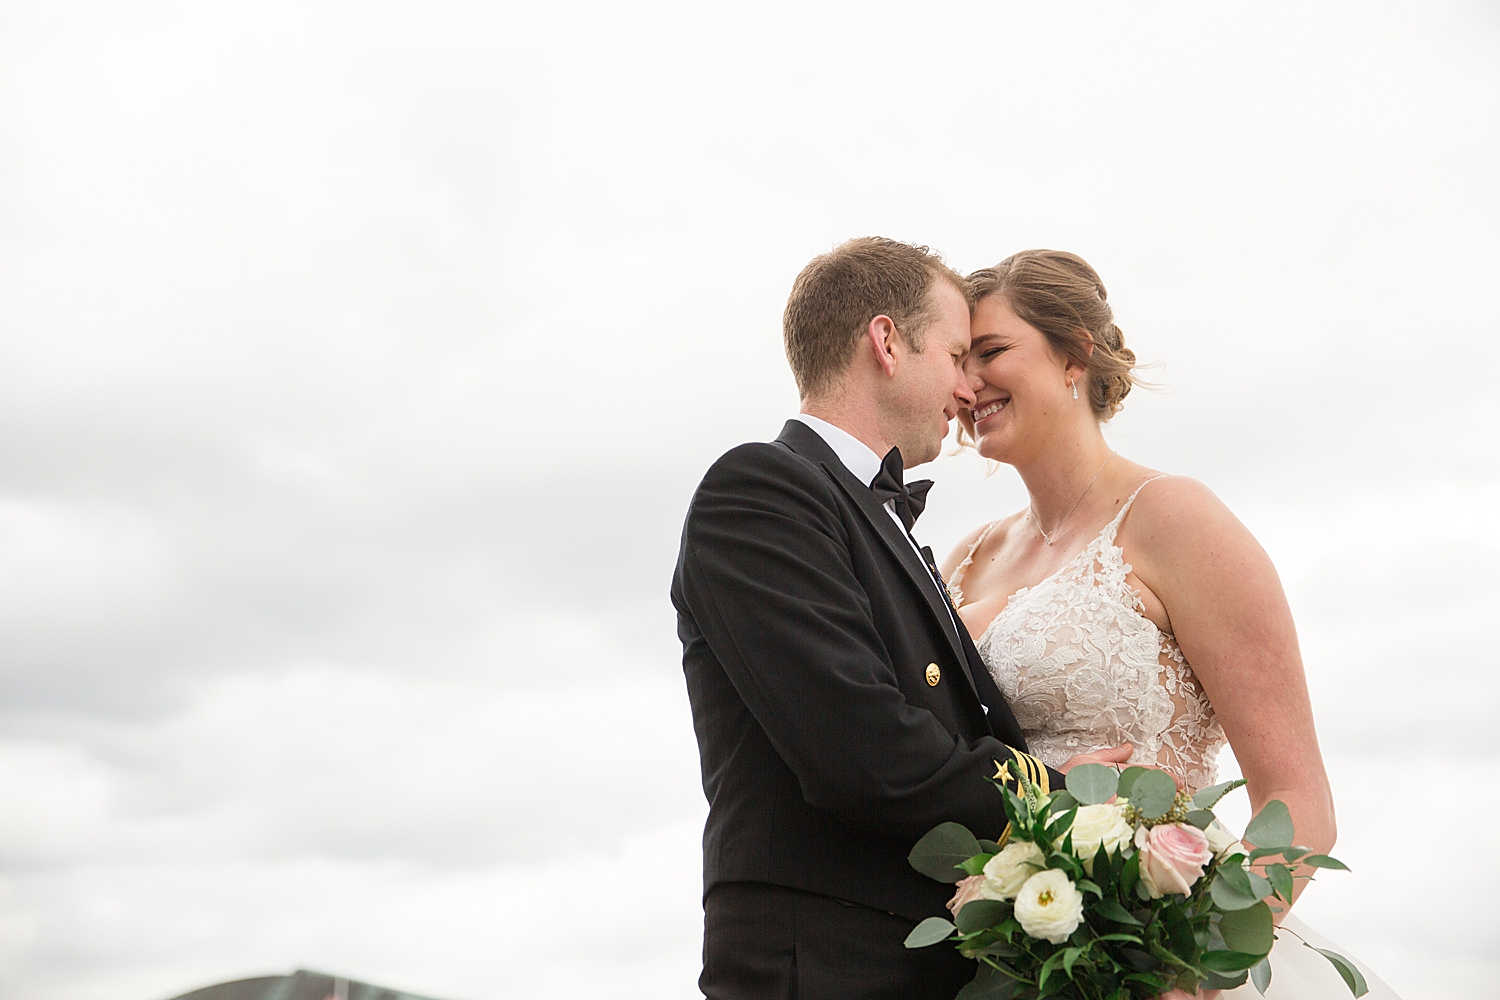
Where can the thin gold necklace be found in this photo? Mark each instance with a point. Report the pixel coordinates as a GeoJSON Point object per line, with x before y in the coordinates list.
{"type": "Point", "coordinates": [1049, 536]}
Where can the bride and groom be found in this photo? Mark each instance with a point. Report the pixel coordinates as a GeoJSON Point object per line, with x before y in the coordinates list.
{"type": "Point", "coordinates": [848, 694]}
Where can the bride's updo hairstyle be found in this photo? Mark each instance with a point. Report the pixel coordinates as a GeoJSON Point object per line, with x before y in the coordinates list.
{"type": "Point", "coordinates": [1061, 295]}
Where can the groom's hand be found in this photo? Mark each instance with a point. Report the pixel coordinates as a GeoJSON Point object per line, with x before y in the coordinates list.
{"type": "Point", "coordinates": [1112, 757]}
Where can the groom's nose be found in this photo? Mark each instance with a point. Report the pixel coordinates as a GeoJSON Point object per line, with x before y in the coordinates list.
{"type": "Point", "coordinates": [966, 390]}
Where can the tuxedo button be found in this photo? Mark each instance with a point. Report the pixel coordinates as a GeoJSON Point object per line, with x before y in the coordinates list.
{"type": "Point", "coordinates": [933, 675]}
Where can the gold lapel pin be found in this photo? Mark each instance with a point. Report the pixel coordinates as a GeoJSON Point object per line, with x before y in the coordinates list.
{"type": "Point", "coordinates": [933, 675]}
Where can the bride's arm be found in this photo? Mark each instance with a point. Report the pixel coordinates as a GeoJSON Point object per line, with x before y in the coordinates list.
{"type": "Point", "coordinates": [1230, 616]}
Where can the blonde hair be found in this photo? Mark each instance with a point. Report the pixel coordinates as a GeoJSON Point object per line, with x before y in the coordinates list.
{"type": "Point", "coordinates": [1060, 295]}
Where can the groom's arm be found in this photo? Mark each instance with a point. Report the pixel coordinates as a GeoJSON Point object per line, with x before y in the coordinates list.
{"type": "Point", "coordinates": [767, 576]}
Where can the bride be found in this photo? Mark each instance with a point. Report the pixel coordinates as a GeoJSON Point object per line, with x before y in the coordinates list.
{"type": "Point", "coordinates": [1124, 605]}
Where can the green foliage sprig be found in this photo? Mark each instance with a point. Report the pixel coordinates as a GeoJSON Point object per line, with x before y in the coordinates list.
{"type": "Point", "coordinates": [1132, 940]}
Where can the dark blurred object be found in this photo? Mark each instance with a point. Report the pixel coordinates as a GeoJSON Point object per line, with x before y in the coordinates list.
{"type": "Point", "coordinates": [300, 985]}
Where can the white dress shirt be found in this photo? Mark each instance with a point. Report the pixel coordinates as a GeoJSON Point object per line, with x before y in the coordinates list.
{"type": "Point", "coordinates": [860, 459]}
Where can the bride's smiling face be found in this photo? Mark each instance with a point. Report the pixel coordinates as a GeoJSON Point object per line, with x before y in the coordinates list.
{"type": "Point", "coordinates": [1023, 390]}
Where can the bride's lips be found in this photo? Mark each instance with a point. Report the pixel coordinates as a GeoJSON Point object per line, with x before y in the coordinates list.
{"type": "Point", "coordinates": [988, 410]}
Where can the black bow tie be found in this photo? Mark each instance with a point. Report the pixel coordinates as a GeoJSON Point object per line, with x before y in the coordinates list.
{"type": "Point", "coordinates": [911, 498]}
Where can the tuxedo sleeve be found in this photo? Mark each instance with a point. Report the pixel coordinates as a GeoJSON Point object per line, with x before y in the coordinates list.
{"type": "Point", "coordinates": [767, 575]}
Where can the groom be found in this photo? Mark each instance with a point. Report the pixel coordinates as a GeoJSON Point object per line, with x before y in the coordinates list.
{"type": "Point", "coordinates": [840, 706]}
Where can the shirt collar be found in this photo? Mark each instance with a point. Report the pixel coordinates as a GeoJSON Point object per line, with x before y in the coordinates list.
{"type": "Point", "coordinates": [858, 457]}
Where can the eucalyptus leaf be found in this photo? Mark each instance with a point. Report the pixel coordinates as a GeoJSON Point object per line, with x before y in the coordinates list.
{"type": "Point", "coordinates": [1063, 801]}
{"type": "Point", "coordinates": [929, 932]}
{"type": "Point", "coordinates": [978, 914]}
{"type": "Point", "coordinates": [1324, 861]}
{"type": "Point", "coordinates": [1218, 981]}
{"type": "Point", "coordinates": [989, 846]}
{"type": "Point", "coordinates": [942, 851]}
{"type": "Point", "coordinates": [1201, 818]}
{"type": "Point", "coordinates": [1249, 930]}
{"type": "Point", "coordinates": [1209, 797]}
{"type": "Point", "coordinates": [1154, 793]}
{"type": "Point", "coordinates": [1093, 784]}
{"type": "Point", "coordinates": [1229, 894]}
{"type": "Point", "coordinates": [1259, 885]}
{"type": "Point", "coordinates": [1271, 827]}
{"type": "Point", "coordinates": [1229, 961]}
{"type": "Point", "coordinates": [1261, 976]}
{"type": "Point", "coordinates": [1127, 779]}
{"type": "Point", "coordinates": [1353, 978]}
{"type": "Point", "coordinates": [1281, 880]}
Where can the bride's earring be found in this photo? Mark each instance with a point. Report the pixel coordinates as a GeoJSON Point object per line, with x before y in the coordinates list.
{"type": "Point", "coordinates": [1074, 384]}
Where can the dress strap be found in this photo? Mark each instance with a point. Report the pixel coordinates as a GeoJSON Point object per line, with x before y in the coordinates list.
{"type": "Point", "coordinates": [1120, 517]}
{"type": "Point", "coordinates": [955, 582]}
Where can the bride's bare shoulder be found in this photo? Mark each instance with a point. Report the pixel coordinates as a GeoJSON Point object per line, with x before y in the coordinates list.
{"type": "Point", "coordinates": [1174, 515]}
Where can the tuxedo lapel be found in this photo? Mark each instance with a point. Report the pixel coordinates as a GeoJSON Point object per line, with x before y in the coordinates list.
{"type": "Point", "coordinates": [806, 442]}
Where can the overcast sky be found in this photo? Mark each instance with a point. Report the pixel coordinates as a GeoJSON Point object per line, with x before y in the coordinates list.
{"type": "Point", "coordinates": [357, 361]}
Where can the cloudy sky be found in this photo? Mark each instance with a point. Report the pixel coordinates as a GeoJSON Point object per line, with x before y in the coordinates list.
{"type": "Point", "coordinates": [357, 361]}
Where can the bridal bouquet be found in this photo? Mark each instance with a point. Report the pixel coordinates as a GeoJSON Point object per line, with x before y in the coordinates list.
{"type": "Point", "coordinates": [1094, 899]}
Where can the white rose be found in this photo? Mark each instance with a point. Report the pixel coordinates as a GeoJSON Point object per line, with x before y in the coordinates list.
{"type": "Point", "coordinates": [1049, 906]}
{"type": "Point", "coordinates": [1222, 842]}
{"type": "Point", "coordinates": [1096, 826]}
{"type": "Point", "coordinates": [1006, 872]}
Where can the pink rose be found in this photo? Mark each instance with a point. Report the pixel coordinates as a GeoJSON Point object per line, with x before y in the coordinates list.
{"type": "Point", "coordinates": [968, 890]}
{"type": "Point", "coordinates": [1172, 857]}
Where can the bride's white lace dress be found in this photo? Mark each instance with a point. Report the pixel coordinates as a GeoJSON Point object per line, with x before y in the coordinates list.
{"type": "Point", "coordinates": [1084, 669]}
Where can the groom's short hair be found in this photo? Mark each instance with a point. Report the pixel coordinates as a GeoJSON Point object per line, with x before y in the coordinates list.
{"type": "Point", "coordinates": [838, 293]}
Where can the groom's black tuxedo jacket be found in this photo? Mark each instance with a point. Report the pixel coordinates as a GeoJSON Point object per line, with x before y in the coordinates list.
{"type": "Point", "coordinates": [828, 743]}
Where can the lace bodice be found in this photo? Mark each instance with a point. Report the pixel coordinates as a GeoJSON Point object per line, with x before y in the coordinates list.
{"type": "Point", "coordinates": [1084, 669]}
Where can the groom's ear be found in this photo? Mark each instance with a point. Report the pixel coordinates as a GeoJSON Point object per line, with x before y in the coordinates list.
{"type": "Point", "coordinates": [883, 338]}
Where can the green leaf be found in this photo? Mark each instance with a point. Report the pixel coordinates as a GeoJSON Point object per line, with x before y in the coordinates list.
{"type": "Point", "coordinates": [1249, 930]}
{"type": "Point", "coordinates": [929, 932]}
{"type": "Point", "coordinates": [1109, 909]}
{"type": "Point", "coordinates": [1267, 852]}
{"type": "Point", "coordinates": [1154, 793]}
{"type": "Point", "coordinates": [1130, 874]}
{"type": "Point", "coordinates": [978, 914]}
{"type": "Point", "coordinates": [1217, 981]}
{"type": "Point", "coordinates": [1085, 885]}
{"type": "Point", "coordinates": [1062, 801]}
{"type": "Point", "coordinates": [975, 865]}
{"type": "Point", "coordinates": [1127, 779]}
{"type": "Point", "coordinates": [1293, 853]}
{"type": "Point", "coordinates": [1118, 937]}
{"type": "Point", "coordinates": [1229, 961]}
{"type": "Point", "coordinates": [940, 854]}
{"type": "Point", "coordinates": [988, 984]}
{"type": "Point", "coordinates": [1201, 818]}
{"type": "Point", "coordinates": [1324, 861]}
{"type": "Point", "coordinates": [1261, 976]}
{"type": "Point", "coordinates": [1209, 797]}
{"type": "Point", "coordinates": [1232, 893]}
{"type": "Point", "coordinates": [1353, 978]}
{"type": "Point", "coordinates": [1092, 784]}
{"type": "Point", "coordinates": [1271, 827]}
{"type": "Point", "coordinates": [1258, 885]}
{"type": "Point", "coordinates": [1281, 881]}
{"type": "Point", "coordinates": [1048, 967]}
{"type": "Point", "coordinates": [988, 846]}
